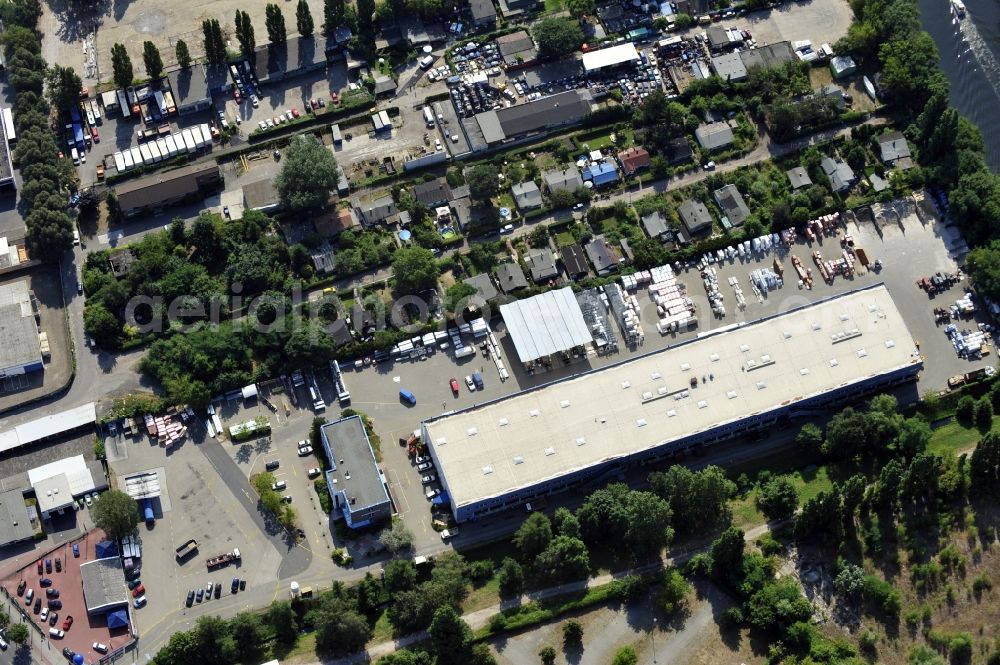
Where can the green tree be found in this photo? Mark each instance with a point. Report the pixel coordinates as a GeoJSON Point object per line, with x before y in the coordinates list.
{"type": "Point", "coordinates": [456, 295]}
{"type": "Point", "coordinates": [18, 634]}
{"type": "Point", "coordinates": [303, 19]}
{"type": "Point", "coordinates": [215, 43]}
{"type": "Point", "coordinates": [625, 656]}
{"type": "Point", "coordinates": [675, 588]}
{"type": "Point", "coordinates": [984, 414]}
{"type": "Point", "coordinates": [396, 537]}
{"type": "Point", "coordinates": [533, 537]}
{"type": "Point", "coordinates": [548, 655]}
{"type": "Point", "coordinates": [400, 575]}
{"type": "Point", "coordinates": [983, 264]}
{"type": "Point", "coordinates": [152, 60]}
{"type": "Point", "coordinates": [340, 628]}
{"type": "Point", "coordinates": [482, 181]}
{"type": "Point", "coordinates": [245, 32]}
{"type": "Point", "coordinates": [578, 8]}
{"type": "Point", "coordinates": [965, 410]}
{"type": "Point", "coordinates": [572, 633]}
{"type": "Point", "coordinates": [309, 345]}
{"type": "Point", "coordinates": [510, 577]}
{"type": "Point", "coordinates": [910, 70]}
{"type": "Point", "coordinates": [182, 54]}
{"type": "Point", "coordinates": [777, 606]}
{"type": "Point", "coordinates": [121, 65]}
{"type": "Point", "coordinates": [699, 499]}
{"type": "Point", "coordinates": [451, 637]}
{"type": "Point", "coordinates": [566, 523]}
{"type": "Point", "coordinates": [984, 466]}
{"type": "Point", "coordinates": [248, 636]}
{"type": "Point", "coordinates": [101, 325]}
{"type": "Point", "coordinates": [23, 13]}
{"type": "Point", "coordinates": [62, 87]}
{"type": "Point", "coordinates": [281, 618]}
{"type": "Point", "coordinates": [414, 269]}
{"type": "Point", "coordinates": [335, 15]}
{"type": "Point", "coordinates": [556, 37]}
{"type": "Point", "coordinates": [308, 176]}
{"type": "Point", "coordinates": [913, 436]}
{"type": "Point", "coordinates": [116, 513]}
{"type": "Point", "coordinates": [777, 498]}
{"type": "Point", "coordinates": [274, 21]}
{"type": "Point", "coordinates": [564, 559]}
{"type": "Point", "coordinates": [809, 438]}
{"type": "Point", "coordinates": [727, 556]}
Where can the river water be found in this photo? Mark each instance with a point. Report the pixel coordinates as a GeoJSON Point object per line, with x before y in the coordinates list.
{"type": "Point", "coordinates": [970, 58]}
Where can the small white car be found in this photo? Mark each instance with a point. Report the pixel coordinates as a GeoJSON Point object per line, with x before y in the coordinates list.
{"type": "Point", "coordinates": [313, 472]}
{"type": "Point", "coordinates": [305, 451]}
{"type": "Point", "coordinates": [254, 101]}
{"type": "Point", "coordinates": [270, 123]}
{"type": "Point", "coordinates": [100, 648]}
{"type": "Point", "coordinates": [470, 384]}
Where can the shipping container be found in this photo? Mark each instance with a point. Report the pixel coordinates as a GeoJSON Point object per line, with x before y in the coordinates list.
{"type": "Point", "coordinates": [123, 104]}
{"type": "Point", "coordinates": [127, 158]}
{"type": "Point", "coordinates": [164, 151]}
{"type": "Point", "coordinates": [145, 154]}
{"type": "Point", "coordinates": [136, 156]}
{"type": "Point", "coordinates": [154, 150]}
{"type": "Point", "coordinates": [171, 146]}
{"type": "Point", "coordinates": [120, 162]}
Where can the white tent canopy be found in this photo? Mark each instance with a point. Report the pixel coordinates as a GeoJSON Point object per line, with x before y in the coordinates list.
{"type": "Point", "coordinates": [548, 323]}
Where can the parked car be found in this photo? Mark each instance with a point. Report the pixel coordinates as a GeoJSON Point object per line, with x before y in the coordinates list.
{"type": "Point", "coordinates": [56, 633]}
{"type": "Point", "coordinates": [201, 593]}
{"type": "Point", "coordinates": [53, 618]}
{"type": "Point", "coordinates": [305, 451]}
{"type": "Point", "coordinates": [431, 492]}
{"type": "Point", "coordinates": [243, 584]}
{"type": "Point", "coordinates": [28, 596]}
{"type": "Point", "coordinates": [424, 466]}
{"type": "Point", "coordinates": [76, 551]}
{"type": "Point", "coordinates": [271, 465]}
{"type": "Point", "coordinates": [277, 487]}
{"type": "Point", "coordinates": [52, 593]}
{"type": "Point", "coordinates": [428, 479]}
{"type": "Point", "coordinates": [469, 384]}
{"type": "Point", "coordinates": [48, 565]}
{"type": "Point", "coordinates": [134, 583]}
{"type": "Point", "coordinates": [37, 607]}
{"type": "Point", "coordinates": [454, 386]}
{"type": "Point", "coordinates": [100, 648]}
{"type": "Point", "coordinates": [39, 566]}
{"type": "Point", "coordinates": [68, 653]}
{"type": "Point", "coordinates": [55, 604]}
{"type": "Point", "coordinates": [262, 125]}
{"type": "Point", "coordinates": [139, 602]}
{"type": "Point", "coordinates": [44, 582]}
{"type": "Point", "coordinates": [45, 613]}
{"type": "Point", "coordinates": [218, 590]}
{"type": "Point", "coordinates": [138, 591]}
{"type": "Point", "coordinates": [314, 471]}
{"type": "Point", "coordinates": [208, 590]}
{"type": "Point", "coordinates": [190, 599]}
{"type": "Point", "coordinates": [254, 101]}
{"type": "Point", "coordinates": [420, 459]}
{"type": "Point", "coordinates": [234, 587]}
{"type": "Point", "coordinates": [20, 587]}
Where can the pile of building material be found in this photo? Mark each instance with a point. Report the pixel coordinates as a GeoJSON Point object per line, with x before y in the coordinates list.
{"type": "Point", "coordinates": [968, 343]}
{"type": "Point", "coordinates": [710, 279]}
{"type": "Point", "coordinates": [825, 225]}
{"type": "Point", "coordinates": [805, 274]}
{"type": "Point", "coordinates": [626, 309]}
{"type": "Point", "coordinates": [741, 302]}
{"type": "Point", "coordinates": [167, 430]}
{"type": "Point", "coordinates": [788, 237]}
{"type": "Point", "coordinates": [766, 280]}
{"type": "Point", "coordinates": [963, 306]}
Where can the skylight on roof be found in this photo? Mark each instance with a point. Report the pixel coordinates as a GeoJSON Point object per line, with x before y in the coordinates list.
{"type": "Point", "coordinates": [534, 413]}
{"type": "Point", "coordinates": [655, 375]}
{"type": "Point", "coordinates": [714, 357]}
{"type": "Point", "coordinates": [641, 422]}
{"type": "Point", "coordinates": [862, 353]}
{"type": "Point", "coordinates": [564, 404]}
{"type": "Point", "coordinates": [671, 413]}
{"type": "Point", "coordinates": [550, 451]}
{"type": "Point", "coordinates": [472, 431]}
{"type": "Point", "coordinates": [744, 348]}
{"type": "Point", "coordinates": [804, 371]}
{"type": "Point", "coordinates": [834, 362]}
{"type": "Point", "coordinates": [685, 367]}
{"type": "Point", "coordinates": [503, 422]}
{"type": "Point", "coordinates": [889, 343]}
{"type": "Point", "coordinates": [702, 404]}
{"type": "Point", "coordinates": [626, 384]}
{"type": "Point", "coordinates": [761, 385]}
{"type": "Point", "coordinates": [487, 470]}
{"type": "Point", "coordinates": [518, 460]}
{"type": "Point", "coordinates": [731, 394]}
{"type": "Point", "coordinates": [580, 441]}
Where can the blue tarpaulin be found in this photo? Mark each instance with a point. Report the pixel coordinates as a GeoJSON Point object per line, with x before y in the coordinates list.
{"type": "Point", "coordinates": [118, 619]}
{"type": "Point", "coordinates": [441, 499]}
{"type": "Point", "coordinates": [106, 548]}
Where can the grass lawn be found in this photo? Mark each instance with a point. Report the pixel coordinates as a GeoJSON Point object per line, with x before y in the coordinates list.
{"type": "Point", "coordinates": [303, 651]}
{"type": "Point", "coordinates": [808, 483]}
{"type": "Point", "coordinates": [382, 631]}
{"type": "Point", "coordinates": [553, 6]}
{"type": "Point", "coordinates": [565, 239]}
{"type": "Point", "coordinates": [505, 200]}
{"type": "Point", "coordinates": [953, 437]}
{"type": "Point", "coordinates": [482, 597]}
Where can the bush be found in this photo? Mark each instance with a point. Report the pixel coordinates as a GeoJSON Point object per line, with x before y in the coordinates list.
{"type": "Point", "coordinates": [880, 596]}
{"type": "Point", "coordinates": [732, 617]}
{"type": "Point", "coordinates": [572, 632]}
{"type": "Point", "coordinates": [625, 656]}
{"type": "Point", "coordinates": [868, 640]}
{"type": "Point", "coordinates": [480, 572]}
{"type": "Point", "coordinates": [548, 655]}
{"type": "Point", "coordinates": [769, 546]}
{"type": "Point", "coordinates": [965, 412]}
{"type": "Point", "coordinates": [323, 492]}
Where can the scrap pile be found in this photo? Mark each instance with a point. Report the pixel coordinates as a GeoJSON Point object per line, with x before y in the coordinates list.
{"type": "Point", "coordinates": [788, 237]}
{"type": "Point", "coordinates": [167, 430]}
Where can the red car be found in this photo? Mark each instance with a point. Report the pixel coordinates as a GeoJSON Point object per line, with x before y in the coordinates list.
{"type": "Point", "coordinates": [138, 591]}
{"type": "Point", "coordinates": [454, 387]}
{"type": "Point", "coordinates": [68, 622]}
{"type": "Point", "coordinates": [94, 135]}
{"type": "Point", "coordinates": [39, 566]}
{"type": "Point", "coordinates": [295, 112]}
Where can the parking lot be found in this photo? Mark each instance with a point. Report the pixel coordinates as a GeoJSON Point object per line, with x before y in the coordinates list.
{"type": "Point", "coordinates": [67, 588]}
{"type": "Point", "coordinates": [205, 497]}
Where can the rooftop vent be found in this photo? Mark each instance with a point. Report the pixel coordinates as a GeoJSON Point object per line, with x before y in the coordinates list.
{"type": "Point", "coordinates": [550, 451]}
{"type": "Point", "coordinates": [580, 441]}
{"type": "Point", "coordinates": [671, 413]}
{"type": "Point", "coordinates": [862, 353]}
{"type": "Point", "coordinates": [564, 404]}
{"type": "Point", "coordinates": [441, 441]}
{"type": "Point", "coordinates": [816, 326]}
{"type": "Point", "coordinates": [889, 344]}
{"type": "Point", "coordinates": [844, 317]}
{"type": "Point", "coordinates": [487, 470]}
{"type": "Point", "coordinates": [804, 371]}
{"type": "Point", "coordinates": [872, 307]}
{"type": "Point", "coordinates": [641, 422]}
{"type": "Point", "coordinates": [761, 385]}
{"type": "Point", "coordinates": [787, 334]}
{"type": "Point", "coordinates": [765, 358]}
{"type": "Point", "coordinates": [662, 390]}
{"type": "Point", "coordinates": [518, 460]}
{"type": "Point", "coordinates": [744, 348]}
{"type": "Point", "coordinates": [534, 413]}
{"type": "Point", "coordinates": [626, 384]}
{"type": "Point", "coordinates": [503, 422]}
{"type": "Point", "coordinates": [655, 375]}
{"type": "Point", "coordinates": [714, 357]}
{"type": "Point", "coordinates": [647, 395]}
{"type": "Point", "coordinates": [685, 367]}
{"type": "Point", "coordinates": [472, 431]}
{"type": "Point", "coordinates": [731, 394]}
{"type": "Point", "coordinates": [834, 362]}
{"type": "Point", "coordinates": [702, 404]}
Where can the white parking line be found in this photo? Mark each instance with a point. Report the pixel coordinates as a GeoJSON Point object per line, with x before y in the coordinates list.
{"type": "Point", "coordinates": [400, 496]}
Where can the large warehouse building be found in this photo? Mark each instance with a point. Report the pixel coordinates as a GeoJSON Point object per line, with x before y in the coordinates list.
{"type": "Point", "coordinates": [744, 377]}
{"type": "Point", "coordinates": [20, 349]}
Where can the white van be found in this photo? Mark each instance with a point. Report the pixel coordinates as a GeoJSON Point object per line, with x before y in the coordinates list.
{"type": "Point", "coordinates": [426, 61]}
{"type": "Point", "coordinates": [75, 155]}
{"type": "Point", "coordinates": [429, 117]}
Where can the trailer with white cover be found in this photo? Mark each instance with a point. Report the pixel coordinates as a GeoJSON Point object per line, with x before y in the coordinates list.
{"type": "Point", "coordinates": [136, 156]}
{"type": "Point", "coordinates": [127, 160]}
{"type": "Point", "coordinates": [206, 134]}
{"type": "Point", "coordinates": [119, 162]}
{"type": "Point", "coordinates": [161, 103]}
{"type": "Point", "coordinates": [145, 155]}
{"type": "Point", "coordinates": [161, 144]}
{"type": "Point", "coordinates": [154, 150]}
{"type": "Point", "coordinates": [171, 146]}
{"type": "Point", "coordinates": [189, 141]}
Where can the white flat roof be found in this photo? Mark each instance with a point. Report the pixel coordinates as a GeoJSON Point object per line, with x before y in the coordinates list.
{"type": "Point", "coordinates": [47, 426]}
{"type": "Point", "coordinates": [545, 324]}
{"type": "Point", "coordinates": [609, 57]}
{"type": "Point", "coordinates": [533, 436]}
{"type": "Point", "coordinates": [74, 468]}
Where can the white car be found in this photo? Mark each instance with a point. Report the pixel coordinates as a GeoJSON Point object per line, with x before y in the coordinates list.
{"type": "Point", "coordinates": [470, 384]}
{"type": "Point", "coordinates": [313, 472]}
{"type": "Point", "coordinates": [45, 614]}
{"type": "Point", "coordinates": [87, 498]}
{"type": "Point", "coordinates": [254, 101]}
{"type": "Point", "coordinates": [270, 123]}
{"type": "Point", "coordinates": [305, 451]}
{"type": "Point", "coordinates": [262, 125]}
{"type": "Point", "coordinates": [100, 648]}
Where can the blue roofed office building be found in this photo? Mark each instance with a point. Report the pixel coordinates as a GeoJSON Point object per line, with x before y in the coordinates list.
{"type": "Point", "coordinates": [356, 482]}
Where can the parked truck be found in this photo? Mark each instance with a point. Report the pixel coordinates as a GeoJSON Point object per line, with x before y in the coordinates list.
{"type": "Point", "coordinates": [186, 550]}
{"type": "Point", "coordinates": [223, 559]}
{"type": "Point", "coordinates": [962, 379]}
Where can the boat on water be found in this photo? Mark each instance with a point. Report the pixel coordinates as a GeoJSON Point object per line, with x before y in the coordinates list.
{"type": "Point", "coordinates": [958, 8]}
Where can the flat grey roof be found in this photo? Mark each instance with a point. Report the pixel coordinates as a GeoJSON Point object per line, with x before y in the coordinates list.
{"type": "Point", "coordinates": [729, 66]}
{"type": "Point", "coordinates": [537, 435]}
{"type": "Point", "coordinates": [103, 584]}
{"type": "Point", "coordinates": [545, 324]}
{"type": "Point", "coordinates": [18, 331]}
{"type": "Point", "coordinates": [355, 471]}
{"type": "Point", "coordinates": [14, 523]}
